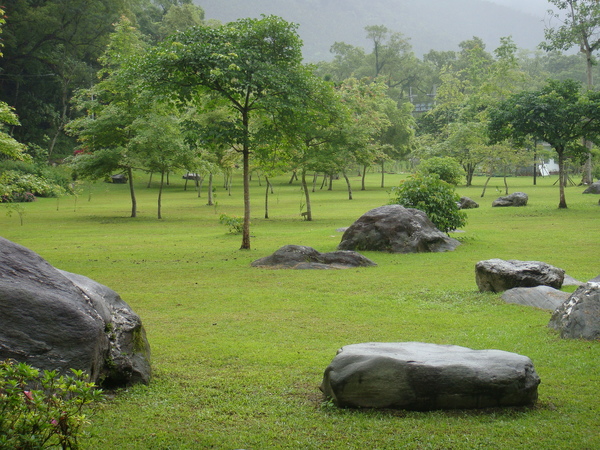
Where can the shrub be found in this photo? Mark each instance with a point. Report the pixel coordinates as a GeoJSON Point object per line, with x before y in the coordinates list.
{"type": "Point", "coordinates": [235, 224]}
{"type": "Point", "coordinates": [448, 169]}
{"type": "Point", "coordinates": [42, 409]}
{"type": "Point", "coordinates": [434, 197]}
{"type": "Point", "coordinates": [14, 185]}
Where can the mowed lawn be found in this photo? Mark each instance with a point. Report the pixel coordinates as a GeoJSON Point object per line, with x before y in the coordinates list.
{"type": "Point", "coordinates": [238, 353]}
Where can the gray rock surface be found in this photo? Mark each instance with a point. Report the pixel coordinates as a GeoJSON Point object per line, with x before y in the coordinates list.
{"type": "Point", "coordinates": [302, 257]}
{"type": "Point", "coordinates": [579, 316]}
{"type": "Point", "coordinates": [514, 199]}
{"type": "Point", "coordinates": [497, 275]}
{"type": "Point", "coordinates": [420, 376]}
{"type": "Point", "coordinates": [396, 229]}
{"type": "Point", "coordinates": [56, 320]}
{"type": "Point", "coordinates": [595, 279]}
{"type": "Point", "coordinates": [593, 188]}
{"type": "Point", "coordinates": [467, 203]}
{"type": "Point", "coordinates": [543, 297]}
{"type": "Point", "coordinates": [570, 281]}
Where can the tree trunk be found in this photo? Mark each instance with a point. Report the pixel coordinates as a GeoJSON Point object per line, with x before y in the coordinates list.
{"type": "Point", "coordinates": [534, 166]}
{"type": "Point", "coordinates": [314, 184]}
{"type": "Point", "coordinates": [210, 190]}
{"type": "Point", "coordinates": [294, 177]}
{"type": "Point", "coordinates": [267, 198]}
{"type": "Point", "coordinates": [308, 215]}
{"type": "Point", "coordinates": [561, 178]}
{"type": "Point", "coordinates": [324, 181]}
{"type": "Point", "coordinates": [364, 174]}
{"type": "Point", "coordinates": [150, 180]}
{"type": "Point", "coordinates": [469, 170]}
{"type": "Point", "coordinates": [348, 184]}
{"type": "Point", "coordinates": [132, 192]}
{"type": "Point", "coordinates": [162, 180]}
{"type": "Point", "coordinates": [485, 185]}
{"type": "Point", "coordinates": [330, 188]}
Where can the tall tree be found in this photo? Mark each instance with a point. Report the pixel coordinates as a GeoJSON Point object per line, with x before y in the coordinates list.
{"type": "Point", "coordinates": [579, 26]}
{"type": "Point", "coordinates": [251, 63]}
{"type": "Point", "coordinates": [558, 113]}
{"type": "Point", "coordinates": [109, 109]}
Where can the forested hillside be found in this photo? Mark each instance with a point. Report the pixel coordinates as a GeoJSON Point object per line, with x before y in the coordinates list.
{"type": "Point", "coordinates": [430, 24]}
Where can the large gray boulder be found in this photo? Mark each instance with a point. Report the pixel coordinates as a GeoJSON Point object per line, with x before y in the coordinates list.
{"type": "Point", "coordinates": [57, 320]}
{"type": "Point", "coordinates": [420, 376]}
{"type": "Point", "coordinates": [579, 316]}
{"type": "Point", "coordinates": [593, 188]}
{"type": "Point", "coordinates": [302, 257]}
{"type": "Point", "coordinates": [543, 297]}
{"type": "Point", "coordinates": [514, 199]}
{"type": "Point", "coordinates": [396, 229]}
{"type": "Point", "coordinates": [497, 275]}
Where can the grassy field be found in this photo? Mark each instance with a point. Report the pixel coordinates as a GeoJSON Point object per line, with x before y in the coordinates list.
{"type": "Point", "coordinates": [238, 353]}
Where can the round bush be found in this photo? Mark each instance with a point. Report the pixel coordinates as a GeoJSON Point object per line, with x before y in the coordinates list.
{"type": "Point", "coordinates": [448, 169]}
{"type": "Point", "coordinates": [434, 197]}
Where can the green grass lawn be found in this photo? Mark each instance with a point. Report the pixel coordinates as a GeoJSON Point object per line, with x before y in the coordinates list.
{"type": "Point", "coordinates": [238, 353]}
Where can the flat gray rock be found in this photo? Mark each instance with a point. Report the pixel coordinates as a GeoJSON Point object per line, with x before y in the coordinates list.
{"type": "Point", "coordinates": [570, 281]}
{"type": "Point", "coordinates": [421, 376]}
{"type": "Point", "coordinates": [303, 257]}
{"type": "Point", "coordinates": [514, 199]}
{"type": "Point", "coordinates": [497, 275]}
{"type": "Point", "coordinates": [543, 297]}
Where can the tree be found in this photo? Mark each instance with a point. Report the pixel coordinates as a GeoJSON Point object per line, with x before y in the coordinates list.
{"type": "Point", "coordinates": [558, 113]}
{"type": "Point", "coordinates": [314, 131]}
{"type": "Point", "coordinates": [579, 26]}
{"type": "Point", "coordinates": [110, 107]}
{"type": "Point", "coordinates": [253, 64]}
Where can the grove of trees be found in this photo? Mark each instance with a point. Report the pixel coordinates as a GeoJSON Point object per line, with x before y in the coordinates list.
{"type": "Point", "coordinates": [132, 86]}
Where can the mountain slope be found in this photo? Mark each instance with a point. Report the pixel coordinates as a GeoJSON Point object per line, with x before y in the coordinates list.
{"type": "Point", "coordinates": [430, 24]}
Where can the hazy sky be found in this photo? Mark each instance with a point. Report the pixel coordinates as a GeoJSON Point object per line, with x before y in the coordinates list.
{"type": "Point", "coordinates": [536, 8]}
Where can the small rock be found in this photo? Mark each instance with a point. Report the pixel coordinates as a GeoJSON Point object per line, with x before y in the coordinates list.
{"type": "Point", "coordinates": [543, 297]}
{"type": "Point", "coordinates": [514, 199]}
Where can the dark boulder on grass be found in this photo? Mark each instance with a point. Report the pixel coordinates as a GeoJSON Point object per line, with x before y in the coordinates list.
{"type": "Point", "coordinates": [420, 376]}
{"type": "Point", "coordinates": [57, 320]}
{"type": "Point", "coordinates": [593, 188]}
{"type": "Point", "coordinates": [543, 297]}
{"type": "Point", "coordinates": [579, 316]}
{"type": "Point", "coordinates": [302, 257]}
{"type": "Point", "coordinates": [467, 203]}
{"type": "Point", "coordinates": [497, 275]}
{"type": "Point", "coordinates": [514, 199]}
{"type": "Point", "coordinates": [396, 229]}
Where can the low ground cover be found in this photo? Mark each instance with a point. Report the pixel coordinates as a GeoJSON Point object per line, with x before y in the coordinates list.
{"type": "Point", "coordinates": [238, 353]}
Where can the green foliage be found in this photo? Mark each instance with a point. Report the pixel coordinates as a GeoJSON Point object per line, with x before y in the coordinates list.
{"type": "Point", "coordinates": [42, 409]}
{"type": "Point", "coordinates": [433, 196]}
{"type": "Point", "coordinates": [446, 168]}
{"type": "Point", "coordinates": [15, 186]}
{"type": "Point", "coordinates": [235, 224]}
